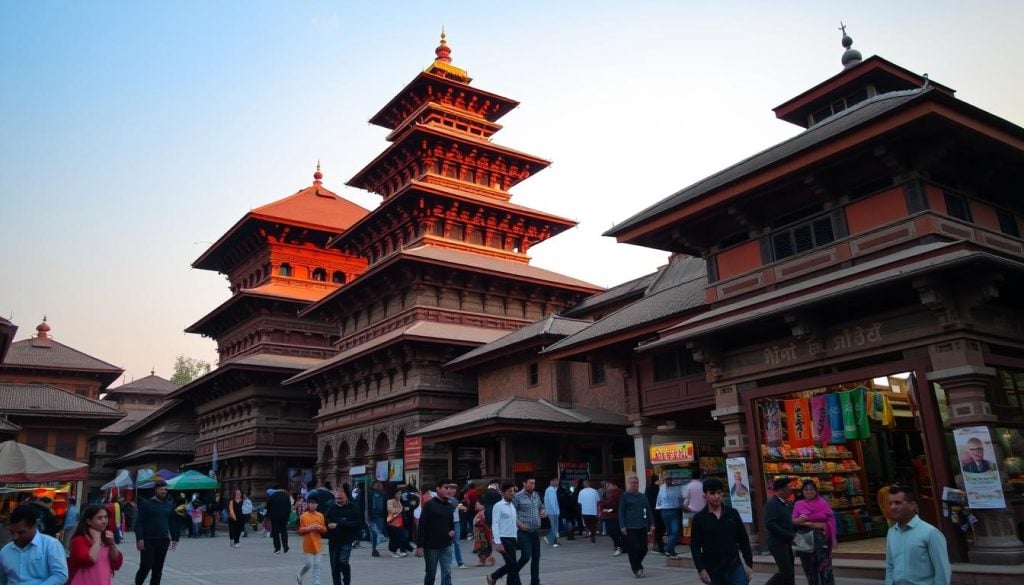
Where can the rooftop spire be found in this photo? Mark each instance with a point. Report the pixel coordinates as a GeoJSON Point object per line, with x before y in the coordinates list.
{"type": "Point", "coordinates": [442, 51]}
{"type": "Point", "coordinates": [42, 338]}
{"type": "Point", "coordinates": [851, 57]}
{"type": "Point", "coordinates": [317, 175]}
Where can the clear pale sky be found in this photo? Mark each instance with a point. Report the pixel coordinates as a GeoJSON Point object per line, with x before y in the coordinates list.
{"type": "Point", "coordinates": [134, 134]}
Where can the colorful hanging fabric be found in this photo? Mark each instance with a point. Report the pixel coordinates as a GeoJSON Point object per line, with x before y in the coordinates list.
{"type": "Point", "coordinates": [849, 419]}
{"type": "Point", "coordinates": [835, 419]}
{"type": "Point", "coordinates": [798, 423]}
{"type": "Point", "coordinates": [860, 412]}
{"type": "Point", "coordinates": [772, 417]}
{"type": "Point", "coordinates": [820, 429]}
{"type": "Point", "coordinates": [888, 418]}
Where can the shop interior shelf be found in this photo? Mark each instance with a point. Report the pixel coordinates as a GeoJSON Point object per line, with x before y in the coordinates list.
{"type": "Point", "coordinates": [845, 458]}
{"type": "Point", "coordinates": [804, 472]}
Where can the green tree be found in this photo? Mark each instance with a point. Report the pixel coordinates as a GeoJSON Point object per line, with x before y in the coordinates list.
{"type": "Point", "coordinates": [187, 369]}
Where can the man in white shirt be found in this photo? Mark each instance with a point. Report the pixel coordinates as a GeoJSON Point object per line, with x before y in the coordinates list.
{"type": "Point", "coordinates": [693, 497]}
{"type": "Point", "coordinates": [588, 508]}
{"type": "Point", "coordinates": [551, 507]}
{"type": "Point", "coordinates": [505, 536]}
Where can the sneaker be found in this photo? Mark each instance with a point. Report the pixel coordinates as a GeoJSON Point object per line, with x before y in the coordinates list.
{"type": "Point", "coordinates": [298, 580]}
{"type": "Point", "coordinates": [403, 555]}
{"type": "Point", "coordinates": [277, 552]}
{"type": "Point", "coordinates": [617, 552]}
{"type": "Point", "coordinates": [554, 545]}
{"type": "Point", "coordinates": [238, 545]}
{"type": "Point", "coordinates": [396, 555]}
{"type": "Point", "coordinates": [375, 553]}
{"type": "Point", "coordinates": [463, 566]}
{"type": "Point", "coordinates": [671, 555]}
{"type": "Point", "coordinates": [639, 574]}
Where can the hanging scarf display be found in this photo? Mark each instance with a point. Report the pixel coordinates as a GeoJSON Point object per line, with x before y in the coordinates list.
{"type": "Point", "coordinates": [860, 412]}
{"type": "Point", "coordinates": [772, 417]}
{"type": "Point", "coordinates": [835, 419]}
{"type": "Point", "coordinates": [798, 423]}
{"type": "Point", "coordinates": [820, 429]}
{"type": "Point", "coordinates": [849, 419]}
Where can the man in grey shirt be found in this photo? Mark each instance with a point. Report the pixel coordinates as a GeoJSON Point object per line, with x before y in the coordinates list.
{"type": "Point", "coordinates": [529, 511]}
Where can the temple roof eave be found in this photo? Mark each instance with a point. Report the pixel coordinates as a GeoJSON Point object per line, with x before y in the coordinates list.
{"type": "Point", "coordinates": [269, 363]}
{"type": "Point", "coordinates": [200, 326]}
{"type": "Point", "coordinates": [379, 119]}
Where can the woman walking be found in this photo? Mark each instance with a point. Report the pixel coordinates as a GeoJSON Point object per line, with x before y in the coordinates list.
{"type": "Point", "coordinates": [482, 537]}
{"type": "Point", "coordinates": [398, 537]}
{"type": "Point", "coordinates": [815, 513]}
{"type": "Point", "coordinates": [236, 519]}
{"type": "Point", "coordinates": [94, 556]}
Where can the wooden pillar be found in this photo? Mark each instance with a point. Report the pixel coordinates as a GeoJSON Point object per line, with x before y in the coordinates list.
{"type": "Point", "coordinates": [729, 411]}
{"type": "Point", "coordinates": [505, 458]}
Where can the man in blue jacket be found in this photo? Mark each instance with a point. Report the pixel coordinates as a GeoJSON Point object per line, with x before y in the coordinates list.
{"type": "Point", "coordinates": [156, 529]}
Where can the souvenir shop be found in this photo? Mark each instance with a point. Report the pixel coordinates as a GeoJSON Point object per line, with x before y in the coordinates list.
{"type": "Point", "coordinates": [853, 440]}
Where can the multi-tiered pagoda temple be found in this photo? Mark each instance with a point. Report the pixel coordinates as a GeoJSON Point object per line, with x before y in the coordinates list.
{"type": "Point", "coordinates": [448, 271]}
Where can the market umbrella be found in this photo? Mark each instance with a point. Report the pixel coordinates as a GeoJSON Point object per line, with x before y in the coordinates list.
{"type": "Point", "coordinates": [122, 480]}
{"type": "Point", "coordinates": [163, 474]}
{"type": "Point", "coordinates": [192, 480]}
{"type": "Point", "coordinates": [21, 463]}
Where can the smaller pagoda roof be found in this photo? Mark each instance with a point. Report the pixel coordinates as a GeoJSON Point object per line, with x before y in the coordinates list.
{"type": "Point", "coordinates": [7, 332]}
{"type": "Point", "coordinates": [546, 330]}
{"type": "Point", "coordinates": [258, 361]}
{"type": "Point", "coordinates": [315, 207]}
{"type": "Point", "coordinates": [429, 331]}
{"type": "Point", "coordinates": [386, 117]}
{"type": "Point", "coordinates": [43, 400]}
{"type": "Point", "coordinates": [276, 291]}
{"type": "Point", "coordinates": [183, 444]}
{"type": "Point", "coordinates": [517, 410]}
{"type": "Point", "coordinates": [132, 416]}
{"type": "Point", "coordinates": [42, 351]}
{"type": "Point", "coordinates": [151, 384]}
{"type": "Point", "coordinates": [628, 290]}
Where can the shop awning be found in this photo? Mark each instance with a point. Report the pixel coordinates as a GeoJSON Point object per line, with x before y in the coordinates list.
{"type": "Point", "coordinates": [21, 463]}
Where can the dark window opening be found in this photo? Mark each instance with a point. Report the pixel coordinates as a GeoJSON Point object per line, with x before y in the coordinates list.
{"type": "Point", "coordinates": [338, 277]}
{"type": "Point", "coordinates": [1008, 223]}
{"type": "Point", "coordinates": [533, 374]}
{"type": "Point", "coordinates": [320, 275]}
{"type": "Point", "coordinates": [597, 373]}
{"type": "Point", "coordinates": [803, 237]}
{"type": "Point", "coordinates": [285, 269]}
{"type": "Point", "coordinates": [956, 206]}
{"type": "Point", "coordinates": [666, 366]}
{"type": "Point", "coordinates": [914, 195]}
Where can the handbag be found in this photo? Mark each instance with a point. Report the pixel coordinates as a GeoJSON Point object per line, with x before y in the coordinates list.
{"type": "Point", "coordinates": [803, 544]}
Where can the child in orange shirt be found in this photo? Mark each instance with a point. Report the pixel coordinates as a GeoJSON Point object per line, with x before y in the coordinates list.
{"type": "Point", "coordinates": [311, 526]}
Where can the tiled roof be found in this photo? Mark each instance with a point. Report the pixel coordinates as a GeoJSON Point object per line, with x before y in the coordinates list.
{"type": "Point", "coordinates": [615, 294]}
{"type": "Point", "coordinates": [7, 426]}
{"type": "Point", "coordinates": [314, 205]}
{"type": "Point", "coordinates": [480, 262]}
{"type": "Point", "coordinates": [678, 288]}
{"type": "Point", "coordinates": [543, 331]}
{"type": "Point", "coordinates": [148, 416]}
{"type": "Point", "coordinates": [420, 330]}
{"type": "Point", "coordinates": [301, 296]}
{"type": "Point", "coordinates": [46, 400]}
{"type": "Point", "coordinates": [285, 363]}
{"type": "Point", "coordinates": [517, 409]}
{"type": "Point", "coordinates": [180, 445]}
{"type": "Point", "coordinates": [131, 416]}
{"type": "Point", "coordinates": [151, 384]}
{"type": "Point", "coordinates": [847, 120]}
{"type": "Point", "coordinates": [55, 355]}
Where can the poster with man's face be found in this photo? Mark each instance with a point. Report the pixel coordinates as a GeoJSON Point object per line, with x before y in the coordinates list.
{"type": "Point", "coordinates": [980, 469]}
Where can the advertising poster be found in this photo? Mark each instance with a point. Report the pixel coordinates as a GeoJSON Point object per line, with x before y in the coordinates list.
{"type": "Point", "coordinates": [571, 472]}
{"type": "Point", "coordinates": [739, 487]}
{"type": "Point", "coordinates": [980, 469]}
{"type": "Point", "coordinates": [396, 470]}
{"type": "Point", "coordinates": [381, 471]}
{"type": "Point", "coordinates": [682, 452]}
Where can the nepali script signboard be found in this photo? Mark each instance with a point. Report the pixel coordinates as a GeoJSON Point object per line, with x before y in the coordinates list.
{"type": "Point", "coordinates": [980, 470]}
{"type": "Point", "coordinates": [664, 453]}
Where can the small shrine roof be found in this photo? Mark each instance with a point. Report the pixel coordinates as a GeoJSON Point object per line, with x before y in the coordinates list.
{"type": "Point", "coordinates": [258, 361]}
{"type": "Point", "coordinates": [300, 295]}
{"type": "Point", "coordinates": [151, 384]}
{"type": "Point", "coordinates": [421, 330]}
{"type": "Point", "coordinates": [44, 400]}
{"type": "Point", "coordinates": [184, 444]}
{"type": "Point", "coordinates": [56, 356]}
{"type": "Point", "coordinates": [546, 330]}
{"type": "Point", "coordinates": [132, 416]}
{"type": "Point", "coordinates": [524, 410]}
{"type": "Point", "coordinates": [626, 290]}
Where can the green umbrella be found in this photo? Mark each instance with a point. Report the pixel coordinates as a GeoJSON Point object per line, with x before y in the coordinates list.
{"type": "Point", "coordinates": [192, 480]}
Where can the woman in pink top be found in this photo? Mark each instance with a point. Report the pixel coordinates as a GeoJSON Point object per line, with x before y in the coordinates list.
{"type": "Point", "coordinates": [814, 512]}
{"type": "Point", "coordinates": [94, 556]}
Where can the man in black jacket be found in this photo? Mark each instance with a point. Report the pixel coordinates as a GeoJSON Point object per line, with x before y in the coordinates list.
{"type": "Point", "coordinates": [719, 541]}
{"type": "Point", "coordinates": [343, 525]}
{"type": "Point", "coordinates": [279, 510]}
{"type": "Point", "coordinates": [778, 522]}
{"type": "Point", "coordinates": [435, 533]}
{"type": "Point", "coordinates": [156, 529]}
{"type": "Point", "coordinates": [491, 496]}
{"type": "Point", "coordinates": [636, 520]}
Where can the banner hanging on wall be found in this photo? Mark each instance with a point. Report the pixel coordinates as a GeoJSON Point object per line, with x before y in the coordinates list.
{"type": "Point", "coordinates": [980, 469]}
{"type": "Point", "coordinates": [739, 487]}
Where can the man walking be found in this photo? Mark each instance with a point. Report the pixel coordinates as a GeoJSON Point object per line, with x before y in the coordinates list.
{"type": "Point", "coordinates": [636, 521]}
{"type": "Point", "coordinates": [552, 508]}
{"type": "Point", "coordinates": [693, 496]}
{"type": "Point", "coordinates": [31, 557]}
{"type": "Point", "coordinates": [436, 532]}
{"type": "Point", "coordinates": [589, 500]}
{"type": "Point", "coordinates": [529, 511]}
{"type": "Point", "coordinates": [610, 514]}
{"type": "Point", "coordinates": [246, 513]}
{"type": "Point", "coordinates": [718, 539]}
{"type": "Point", "coordinates": [915, 551]}
{"type": "Point", "coordinates": [157, 528]}
{"type": "Point", "coordinates": [378, 511]}
{"type": "Point", "coordinates": [669, 508]}
{"type": "Point", "coordinates": [279, 510]}
{"type": "Point", "coordinates": [343, 525]}
{"type": "Point", "coordinates": [505, 536]}
{"type": "Point", "coordinates": [778, 520]}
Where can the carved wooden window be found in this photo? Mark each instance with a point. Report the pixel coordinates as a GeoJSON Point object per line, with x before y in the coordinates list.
{"type": "Point", "coordinates": [338, 277]}
{"type": "Point", "coordinates": [807, 235]}
{"type": "Point", "coordinates": [285, 269]}
{"type": "Point", "coordinates": [1008, 223]}
{"type": "Point", "coordinates": [597, 373]}
{"type": "Point", "coordinates": [956, 206]}
{"type": "Point", "coordinates": [533, 374]}
{"type": "Point", "coordinates": [320, 275]}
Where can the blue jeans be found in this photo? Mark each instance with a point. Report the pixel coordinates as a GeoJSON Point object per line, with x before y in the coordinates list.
{"type": "Point", "coordinates": [376, 531]}
{"type": "Point", "coordinates": [733, 576]}
{"type": "Point", "coordinates": [673, 520]}
{"type": "Point", "coordinates": [552, 535]}
{"type": "Point", "coordinates": [435, 557]}
{"type": "Point", "coordinates": [529, 544]}
{"type": "Point", "coordinates": [456, 545]}
{"type": "Point", "coordinates": [339, 554]}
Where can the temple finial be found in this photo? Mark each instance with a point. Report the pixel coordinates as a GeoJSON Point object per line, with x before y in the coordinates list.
{"type": "Point", "coordinates": [442, 51]}
{"type": "Point", "coordinates": [851, 56]}
{"type": "Point", "coordinates": [317, 175]}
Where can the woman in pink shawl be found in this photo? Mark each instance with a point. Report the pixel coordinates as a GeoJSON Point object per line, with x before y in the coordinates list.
{"type": "Point", "coordinates": [814, 512]}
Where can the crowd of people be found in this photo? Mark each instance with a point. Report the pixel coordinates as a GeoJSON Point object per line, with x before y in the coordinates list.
{"type": "Point", "coordinates": [504, 520]}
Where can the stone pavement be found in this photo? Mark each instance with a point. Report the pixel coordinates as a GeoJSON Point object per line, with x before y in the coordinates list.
{"type": "Point", "coordinates": [210, 561]}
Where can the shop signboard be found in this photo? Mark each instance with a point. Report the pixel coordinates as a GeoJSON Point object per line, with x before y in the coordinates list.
{"type": "Point", "coordinates": [676, 475]}
{"type": "Point", "coordinates": [413, 451]}
{"type": "Point", "coordinates": [980, 469]}
{"type": "Point", "coordinates": [570, 472]}
{"type": "Point", "coordinates": [682, 452]}
{"type": "Point", "coordinates": [357, 470]}
{"type": "Point", "coordinates": [739, 487]}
